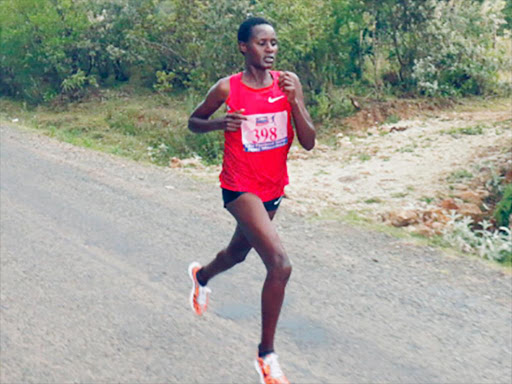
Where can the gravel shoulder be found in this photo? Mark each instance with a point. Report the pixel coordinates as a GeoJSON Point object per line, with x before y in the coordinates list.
{"type": "Point", "coordinates": [93, 281]}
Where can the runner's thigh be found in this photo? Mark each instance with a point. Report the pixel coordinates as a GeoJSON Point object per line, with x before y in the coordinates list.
{"type": "Point", "coordinates": [239, 245]}
{"type": "Point", "coordinates": [256, 225]}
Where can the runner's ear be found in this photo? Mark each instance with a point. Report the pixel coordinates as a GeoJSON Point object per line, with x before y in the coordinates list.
{"type": "Point", "coordinates": [242, 47]}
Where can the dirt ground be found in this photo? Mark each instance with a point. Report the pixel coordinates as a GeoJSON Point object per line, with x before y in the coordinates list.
{"type": "Point", "coordinates": [413, 164]}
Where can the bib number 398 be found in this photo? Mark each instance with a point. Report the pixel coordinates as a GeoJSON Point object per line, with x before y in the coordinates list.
{"type": "Point", "coordinates": [265, 134]}
{"type": "Point", "coordinates": [266, 131]}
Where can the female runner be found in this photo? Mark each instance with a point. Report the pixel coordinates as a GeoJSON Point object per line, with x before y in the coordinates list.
{"type": "Point", "coordinates": [258, 134]}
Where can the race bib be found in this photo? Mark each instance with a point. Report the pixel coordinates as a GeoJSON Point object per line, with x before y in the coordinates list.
{"type": "Point", "coordinates": [265, 131]}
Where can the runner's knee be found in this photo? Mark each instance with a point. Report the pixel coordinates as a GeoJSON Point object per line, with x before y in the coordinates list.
{"type": "Point", "coordinates": [279, 266]}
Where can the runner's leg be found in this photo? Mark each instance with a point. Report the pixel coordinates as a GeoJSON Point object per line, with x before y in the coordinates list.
{"type": "Point", "coordinates": [259, 231]}
{"type": "Point", "coordinates": [234, 253]}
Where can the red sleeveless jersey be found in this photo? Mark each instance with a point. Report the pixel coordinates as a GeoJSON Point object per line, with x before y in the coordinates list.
{"type": "Point", "coordinates": [255, 155]}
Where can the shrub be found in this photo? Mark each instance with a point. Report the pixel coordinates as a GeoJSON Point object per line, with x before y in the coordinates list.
{"type": "Point", "coordinates": [503, 210]}
{"type": "Point", "coordinates": [75, 85]}
{"type": "Point", "coordinates": [459, 55]}
{"type": "Point", "coordinates": [436, 47]}
{"type": "Point", "coordinates": [493, 245]}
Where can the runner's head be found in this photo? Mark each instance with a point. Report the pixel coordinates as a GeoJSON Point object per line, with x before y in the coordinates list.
{"type": "Point", "coordinates": [257, 41]}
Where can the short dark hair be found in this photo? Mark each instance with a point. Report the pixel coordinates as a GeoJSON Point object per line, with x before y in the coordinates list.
{"type": "Point", "coordinates": [245, 29]}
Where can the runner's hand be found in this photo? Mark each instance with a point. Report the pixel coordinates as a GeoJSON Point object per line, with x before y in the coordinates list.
{"type": "Point", "coordinates": [233, 121]}
{"type": "Point", "coordinates": [290, 85]}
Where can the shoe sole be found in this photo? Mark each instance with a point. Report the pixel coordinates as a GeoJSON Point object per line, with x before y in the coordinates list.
{"type": "Point", "coordinates": [260, 374]}
{"type": "Point", "coordinates": [191, 275]}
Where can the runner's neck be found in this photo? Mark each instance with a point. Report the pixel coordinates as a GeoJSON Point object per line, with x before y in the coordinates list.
{"type": "Point", "coordinates": [256, 78]}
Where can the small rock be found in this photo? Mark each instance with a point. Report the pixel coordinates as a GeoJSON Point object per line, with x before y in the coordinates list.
{"type": "Point", "coordinates": [193, 162]}
{"type": "Point", "coordinates": [483, 193]}
{"type": "Point", "coordinates": [448, 204]}
{"type": "Point", "coordinates": [470, 197]}
{"type": "Point", "coordinates": [175, 163]}
{"type": "Point", "coordinates": [423, 230]}
{"type": "Point", "coordinates": [460, 187]}
{"type": "Point", "coordinates": [403, 218]}
{"type": "Point", "coordinates": [398, 129]}
{"type": "Point", "coordinates": [347, 179]}
{"type": "Point", "coordinates": [470, 209]}
{"type": "Point", "coordinates": [298, 155]}
{"type": "Point", "coordinates": [438, 227]}
{"type": "Point", "coordinates": [321, 148]}
{"type": "Point", "coordinates": [434, 215]}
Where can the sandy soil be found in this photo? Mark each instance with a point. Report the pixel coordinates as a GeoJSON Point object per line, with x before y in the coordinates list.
{"type": "Point", "coordinates": [405, 165]}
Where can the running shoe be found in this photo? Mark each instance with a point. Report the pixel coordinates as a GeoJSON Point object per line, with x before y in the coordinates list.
{"type": "Point", "coordinates": [269, 370]}
{"type": "Point", "coordinates": [199, 295]}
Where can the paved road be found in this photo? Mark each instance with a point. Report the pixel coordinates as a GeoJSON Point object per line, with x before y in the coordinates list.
{"type": "Point", "coordinates": [94, 251]}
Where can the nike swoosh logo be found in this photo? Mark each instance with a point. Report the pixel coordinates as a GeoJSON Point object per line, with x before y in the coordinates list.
{"type": "Point", "coordinates": [274, 99]}
{"type": "Point", "coordinates": [278, 201]}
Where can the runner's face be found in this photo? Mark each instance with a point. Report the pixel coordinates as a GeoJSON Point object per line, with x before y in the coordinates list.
{"type": "Point", "coordinates": [261, 49]}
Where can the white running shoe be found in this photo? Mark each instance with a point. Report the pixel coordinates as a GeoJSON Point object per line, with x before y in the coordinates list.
{"type": "Point", "coordinates": [269, 370]}
{"type": "Point", "coordinates": [199, 296]}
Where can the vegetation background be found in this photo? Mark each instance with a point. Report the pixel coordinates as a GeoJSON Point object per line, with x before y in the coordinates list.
{"type": "Point", "coordinates": [123, 75]}
{"type": "Point", "coordinates": [419, 47]}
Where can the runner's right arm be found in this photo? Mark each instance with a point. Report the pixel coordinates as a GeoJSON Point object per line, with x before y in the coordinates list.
{"type": "Point", "coordinates": [199, 121]}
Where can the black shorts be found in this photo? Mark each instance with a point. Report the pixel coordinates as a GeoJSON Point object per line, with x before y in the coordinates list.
{"type": "Point", "coordinates": [228, 196]}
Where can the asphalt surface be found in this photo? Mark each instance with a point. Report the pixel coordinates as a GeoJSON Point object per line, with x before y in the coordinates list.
{"type": "Point", "coordinates": [94, 286]}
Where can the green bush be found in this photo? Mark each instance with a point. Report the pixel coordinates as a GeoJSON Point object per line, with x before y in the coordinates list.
{"type": "Point", "coordinates": [47, 46]}
{"type": "Point", "coordinates": [460, 55]}
{"type": "Point", "coordinates": [503, 210]}
{"type": "Point", "coordinates": [434, 47]}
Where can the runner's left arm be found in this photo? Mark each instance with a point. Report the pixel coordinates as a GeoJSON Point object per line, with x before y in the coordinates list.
{"type": "Point", "coordinates": [290, 85]}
